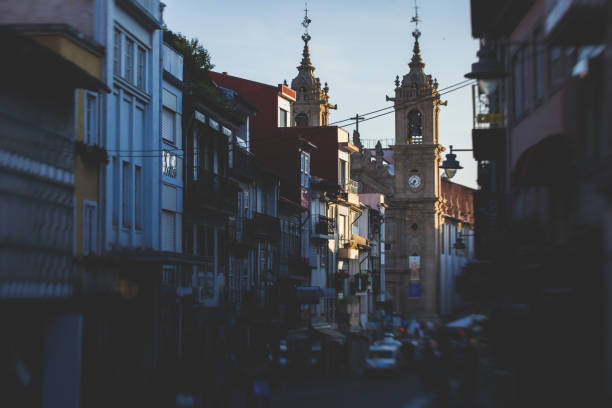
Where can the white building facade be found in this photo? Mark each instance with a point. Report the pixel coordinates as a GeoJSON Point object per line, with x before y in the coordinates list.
{"type": "Point", "coordinates": [131, 183]}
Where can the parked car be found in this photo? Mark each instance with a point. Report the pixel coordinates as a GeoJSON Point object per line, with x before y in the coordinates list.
{"type": "Point", "coordinates": [384, 356]}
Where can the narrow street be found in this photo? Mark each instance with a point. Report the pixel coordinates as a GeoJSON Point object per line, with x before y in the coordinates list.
{"type": "Point", "coordinates": [401, 391]}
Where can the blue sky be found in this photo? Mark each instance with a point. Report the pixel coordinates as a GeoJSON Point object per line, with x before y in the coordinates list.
{"type": "Point", "coordinates": [357, 46]}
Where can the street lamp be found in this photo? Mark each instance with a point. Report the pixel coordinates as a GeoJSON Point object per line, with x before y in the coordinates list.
{"type": "Point", "coordinates": [451, 165]}
{"type": "Point", "coordinates": [487, 71]}
{"type": "Point", "coordinates": [459, 245]}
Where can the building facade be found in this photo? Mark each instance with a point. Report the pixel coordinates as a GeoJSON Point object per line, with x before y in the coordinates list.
{"type": "Point", "coordinates": [52, 55]}
{"type": "Point", "coordinates": [550, 210]}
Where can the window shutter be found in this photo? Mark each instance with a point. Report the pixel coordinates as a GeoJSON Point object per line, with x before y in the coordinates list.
{"type": "Point", "coordinates": [168, 231]}
{"type": "Point", "coordinates": [168, 118]}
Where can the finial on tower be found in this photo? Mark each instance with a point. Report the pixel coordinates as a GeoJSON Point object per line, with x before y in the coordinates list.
{"type": "Point", "coordinates": [306, 38]}
{"type": "Point", "coordinates": [305, 23]}
{"type": "Point", "coordinates": [416, 20]}
{"type": "Point", "coordinates": [417, 61]}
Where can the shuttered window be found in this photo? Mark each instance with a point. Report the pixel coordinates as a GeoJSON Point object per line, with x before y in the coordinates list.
{"type": "Point", "coordinates": [138, 210]}
{"type": "Point", "coordinates": [168, 231]}
{"type": "Point", "coordinates": [127, 194]}
{"type": "Point", "coordinates": [129, 60]}
{"type": "Point", "coordinates": [90, 217]}
{"type": "Point", "coordinates": [168, 125]}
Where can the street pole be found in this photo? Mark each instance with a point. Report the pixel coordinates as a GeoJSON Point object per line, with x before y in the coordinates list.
{"type": "Point", "coordinates": [357, 119]}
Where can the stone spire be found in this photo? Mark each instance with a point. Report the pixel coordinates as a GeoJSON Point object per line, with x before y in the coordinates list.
{"type": "Point", "coordinates": [416, 64]}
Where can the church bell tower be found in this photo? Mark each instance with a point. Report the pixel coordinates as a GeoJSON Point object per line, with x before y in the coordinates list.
{"type": "Point", "coordinates": [413, 261]}
{"type": "Point", "coordinates": [312, 105]}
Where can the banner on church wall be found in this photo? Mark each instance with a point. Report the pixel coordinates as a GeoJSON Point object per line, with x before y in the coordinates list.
{"type": "Point", "coordinates": [414, 290]}
{"type": "Point", "coordinates": [414, 276]}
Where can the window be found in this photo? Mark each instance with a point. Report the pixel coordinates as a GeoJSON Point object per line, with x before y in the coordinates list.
{"type": "Point", "coordinates": [282, 118]}
{"type": "Point", "coordinates": [168, 125]}
{"type": "Point", "coordinates": [343, 172]}
{"type": "Point", "coordinates": [342, 229]}
{"type": "Point", "coordinates": [140, 68]}
{"type": "Point", "coordinates": [91, 118]}
{"type": "Point", "coordinates": [415, 127]}
{"type": "Point", "coordinates": [116, 179]}
{"type": "Point", "coordinates": [555, 66]}
{"type": "Point", "coordinates": [127, 195]}
{"type": "Point", "coordinates": [213, 124]}
{"type": "Point", "coordinates": [129, 60]}
{"type": "Point", "coordinates": [168, 231]}
{"type": "Point", "coordinates": [90, 222]}
{"type": "Point", "coordinates": [169, 165]}
{"type": "Point", "coordinates": [521, 82]}
{"type": "Point", "coordinates": [305, 170]}
{"type": "Point", "coordinates": [196, 156]}
{"type": "Point", "coordinates": [138, 210]}
{"type": "Point", "coordinates": [117, 53]}
{"type": "Point", "coordinates": [538, 66]}
{"type": "Point", "coordinates": [226, 131]}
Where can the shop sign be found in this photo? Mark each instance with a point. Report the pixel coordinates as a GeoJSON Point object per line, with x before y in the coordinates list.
{"type": "Point", "coordinates": [490, 118]}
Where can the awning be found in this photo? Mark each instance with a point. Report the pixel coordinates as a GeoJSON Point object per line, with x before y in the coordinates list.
{"type": "Point", "coordinates": [467, 321]}
{"type": "Point", "coordinates": [308, 295]}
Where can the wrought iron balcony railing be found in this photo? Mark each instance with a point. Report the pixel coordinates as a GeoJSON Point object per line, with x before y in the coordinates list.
{"type": "Point", "coordinates": [265, 227]}
{"type": "Point", "coordinates": [324, 225]}
{"type": "Point", "coordinates": [242, 163]}
{"type": "Point", "coordinates": [351, 186]}
{"type": "Point", "coordinates": [210, 190]}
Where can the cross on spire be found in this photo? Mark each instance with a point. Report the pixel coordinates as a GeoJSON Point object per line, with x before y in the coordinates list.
{"type": "Point", "coordinates": [416, 20]}
{"type": "Point", "coordinates": [305, 23]}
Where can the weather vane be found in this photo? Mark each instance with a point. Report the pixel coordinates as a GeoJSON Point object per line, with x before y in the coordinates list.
{"type": "Point", "coordinates": [305, 23]}
{"type": "Point", "coordinates": [416, 20]}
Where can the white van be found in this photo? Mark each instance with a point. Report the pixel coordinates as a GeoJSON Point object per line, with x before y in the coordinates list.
{"type": "Point", "coordinates": [383, 356]}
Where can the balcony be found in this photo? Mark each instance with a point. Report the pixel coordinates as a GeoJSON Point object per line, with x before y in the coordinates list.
{"type": "Point", "coordinates": [360, 241]}
{"type": "Point", "coordinates": [324, 228]}
{"type": "Point", "coordinates": [576, 22]}
{"type": "Point", "coordinates": [238, 236]}
{"type": "Point", "coordinates": [242, 164]}
{"type": "Point", "coordinates": [210, 191]}
{"type": "Point", "coordinates": [351, 190]}
{"type": "Point", "coordinates": [349, 251]}
{"type": "Point", "coordinates": [351, 186]}
{"type": "Point", "coordinates": [265, 227]}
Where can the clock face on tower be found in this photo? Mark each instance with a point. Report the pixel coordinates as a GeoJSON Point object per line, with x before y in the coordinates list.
{"type": "Point", "coordinates": [414, 181]}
